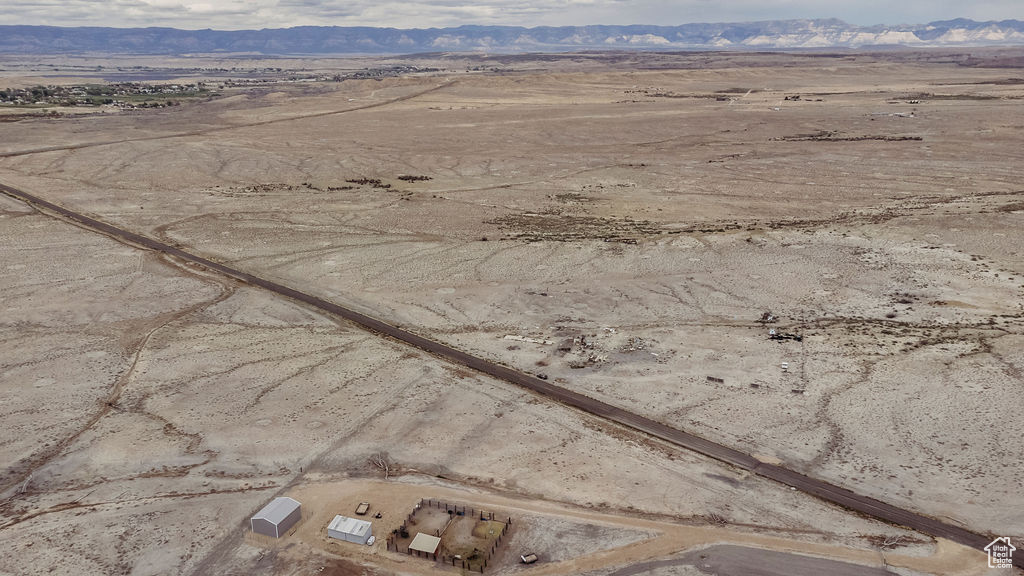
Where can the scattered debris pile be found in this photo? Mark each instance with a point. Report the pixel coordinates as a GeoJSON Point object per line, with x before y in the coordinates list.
{"type": "Point", "coordinates": [570, 198]}
{"type": "Point", "coordinates": [781, 336]}
{"type": "Point", "coordinates": [585, 348]}
{"type": "Point", "coordinates": [374, 182]}
{"type": "Point", "coordinates": [534, 227]}
{"type": "Point", "coordinates": [518, 338]}
{"type": "Point", "coordinates": [635, 343]}
{"type": "Point", "coordinates": [833, 136]}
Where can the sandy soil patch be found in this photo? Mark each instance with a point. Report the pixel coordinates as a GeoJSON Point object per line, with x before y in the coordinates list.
{"type": "Point", "coordinates": [625, 219]}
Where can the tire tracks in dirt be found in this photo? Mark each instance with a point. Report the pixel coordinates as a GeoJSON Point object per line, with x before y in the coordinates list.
{"type": "Point", "coordinates": [117, 389]}
{"type": "Point", "coordinates": [836, 495]}
{"type": "Point", "coordinates": [214, 130]}
{"type": "Point", "coordinates": [76, 504]}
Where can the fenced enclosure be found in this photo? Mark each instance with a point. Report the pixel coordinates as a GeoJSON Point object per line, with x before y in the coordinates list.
{"type": "Point", "coordinates": [469, 537]}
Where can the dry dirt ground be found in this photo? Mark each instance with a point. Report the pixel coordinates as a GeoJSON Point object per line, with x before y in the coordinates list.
{"type": "Point", "coordinates": [616, 223]}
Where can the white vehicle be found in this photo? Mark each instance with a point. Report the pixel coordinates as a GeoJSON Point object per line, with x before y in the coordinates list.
{"type": "Point", "coordinates": [371, 540]}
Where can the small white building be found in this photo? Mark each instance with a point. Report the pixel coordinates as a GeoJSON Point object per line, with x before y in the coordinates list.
{"type": "Point", "coordinates": [276, 518]}
{"type": "Point", "coordinates": [349, 529]}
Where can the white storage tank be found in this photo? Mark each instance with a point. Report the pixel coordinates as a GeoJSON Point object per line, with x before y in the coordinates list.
{"type": "Point", "coordinates": [349, 529]}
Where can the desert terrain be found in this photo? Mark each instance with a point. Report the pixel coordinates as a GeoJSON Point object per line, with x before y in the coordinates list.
{"type": "Point", "coordinates": [617, 223]}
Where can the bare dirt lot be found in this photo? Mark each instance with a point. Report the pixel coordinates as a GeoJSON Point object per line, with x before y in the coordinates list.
{"type": "Point", "coordinates": [618, 224]}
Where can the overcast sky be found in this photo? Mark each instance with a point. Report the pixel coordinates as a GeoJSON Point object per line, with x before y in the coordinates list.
{"type": "Point", "coordinates": [255, 14]}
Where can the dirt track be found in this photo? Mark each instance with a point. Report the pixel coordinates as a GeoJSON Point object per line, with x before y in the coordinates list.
{"type": "Point", "coordinates": [823, 490]}
{"type": "Point", "coordinates": [737, 560]}
{"type": "Point", "coordinates": [223, 128]}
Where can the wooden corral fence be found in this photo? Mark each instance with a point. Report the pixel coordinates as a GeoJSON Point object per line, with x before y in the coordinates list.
{"type": "Point", "coordinates": [476, 565]}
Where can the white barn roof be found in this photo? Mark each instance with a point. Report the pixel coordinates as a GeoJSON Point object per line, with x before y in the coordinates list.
{"type": "Point", "coordinates": [277, 510]}
{"type": "Point", "coordinates": [425, 543]}
{"type": "Point", "coordinates": [348, 525]}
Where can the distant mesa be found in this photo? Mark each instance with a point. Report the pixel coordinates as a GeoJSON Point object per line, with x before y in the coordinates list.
{"type": "Point", "coordinates": [774, 34]}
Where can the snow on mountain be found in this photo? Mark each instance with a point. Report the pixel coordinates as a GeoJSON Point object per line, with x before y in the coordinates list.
{"type": "Point", "coordinates": [774, 34]}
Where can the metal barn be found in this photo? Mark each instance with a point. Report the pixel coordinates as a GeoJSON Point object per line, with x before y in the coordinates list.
{"type": "Point", "coordinates": [276, 518]}
{"type": "Point", "coordinates": [349, 529]}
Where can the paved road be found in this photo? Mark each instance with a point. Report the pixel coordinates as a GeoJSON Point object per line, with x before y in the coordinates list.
{"type": "Point", "coordinates": [828, 492]}
{"type": "Point", "coordinates": [742, 561]}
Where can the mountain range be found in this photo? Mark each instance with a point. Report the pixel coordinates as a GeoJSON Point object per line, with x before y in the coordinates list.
{"type": "Point", "coordinates": [767, 35]}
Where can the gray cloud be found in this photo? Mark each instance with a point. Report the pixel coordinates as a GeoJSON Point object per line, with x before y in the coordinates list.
{"type": "Point", "coordinates": [238, 14]}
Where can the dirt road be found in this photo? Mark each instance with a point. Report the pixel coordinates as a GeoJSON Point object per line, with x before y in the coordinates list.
{"type": "Point", "coordinates": [819, 488]}
{"type": "Point", "coordinates": [31, 151]}
{"type": "Point", "coordinates": [741, 561]}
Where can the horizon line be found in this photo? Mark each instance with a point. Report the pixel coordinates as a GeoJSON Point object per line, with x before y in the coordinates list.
{"type": "Point", "coordinates": [510, 26]}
